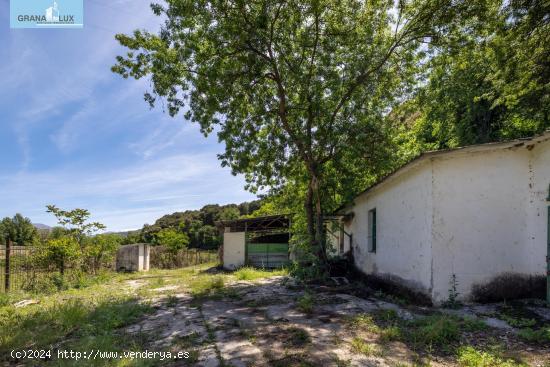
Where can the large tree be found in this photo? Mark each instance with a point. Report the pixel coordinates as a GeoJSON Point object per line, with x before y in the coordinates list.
{"type": "Point", "coordinates": [292, 87]}
{"type": "Point", "coordinates": [76, 222]}
{"type": "Point", "coordinates": [18, 230]}
{"type": "Point", "coordinates": [494, 82]}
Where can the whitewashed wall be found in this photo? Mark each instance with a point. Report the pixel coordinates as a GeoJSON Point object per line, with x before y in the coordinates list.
{"type": "Point", "coordinates": [538, 218]}
{"type": "Point", "coordinates": [474, 213]}
{"type": "Point", "coordinates": [403, 211]}
{"type": "Point", "coordinates": [233, 249]}
{"type": "Point", "coordinates": [480, 218]}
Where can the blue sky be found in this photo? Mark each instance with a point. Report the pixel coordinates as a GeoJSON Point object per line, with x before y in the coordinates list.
{"type": "Point", "coordinates": [76, 135]}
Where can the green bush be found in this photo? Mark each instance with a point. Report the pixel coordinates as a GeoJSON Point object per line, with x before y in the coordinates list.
{"type": "Point", "coordinates": [171, 239]}
{"type": "Point", "coordinates": [100, 251]}
{"type": "Point", "coordinates": [60, 252]}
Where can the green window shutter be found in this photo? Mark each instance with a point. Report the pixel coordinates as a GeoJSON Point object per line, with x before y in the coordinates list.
{"type": "Point", "coordinates": [371, 230]}
{"type": "Point", "coordinates": [374, 230]}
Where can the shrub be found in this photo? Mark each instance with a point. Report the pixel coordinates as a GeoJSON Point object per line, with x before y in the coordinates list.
{"type": "Point", "coordinates": [100, 251]}
{"type": "Point", "coordinates": [171, 239]}
{"type": "Point", "coordinates": [61, 252]}
{"type": "Point", "coordinates": [509, 286]}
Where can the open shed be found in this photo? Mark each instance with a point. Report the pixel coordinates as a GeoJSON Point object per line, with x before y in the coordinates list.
{"type": "Point", "coordinates": [260, 242]}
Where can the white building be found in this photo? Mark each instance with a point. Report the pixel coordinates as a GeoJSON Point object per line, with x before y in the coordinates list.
{"type": "Point", "coordinates": [475, 212]}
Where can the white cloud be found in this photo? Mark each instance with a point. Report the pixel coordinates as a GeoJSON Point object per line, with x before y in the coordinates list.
{"type": "Point", "coordinates": [127, 197]}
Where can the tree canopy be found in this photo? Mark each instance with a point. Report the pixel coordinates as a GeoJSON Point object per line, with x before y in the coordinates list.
{"type": "Point", "coordinates": [18, 230]}
{"type": "Point", "coordinates": [492, 83]}
{"type": "Point", "coordinates": [197, 225]}
{"type": "Point", "coordinates": [295, 89]}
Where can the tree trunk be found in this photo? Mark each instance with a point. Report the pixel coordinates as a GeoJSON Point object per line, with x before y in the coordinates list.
{"type": "Point", "coordinates": [314, 215]}
{"type": "Point", "coordinates": [309, 214]}
{"type": "Point", "coordinates": [319, 241]}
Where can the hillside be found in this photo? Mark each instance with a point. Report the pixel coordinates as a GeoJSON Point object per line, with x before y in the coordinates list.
{"type": "Point", "coordinates": [197, 224]}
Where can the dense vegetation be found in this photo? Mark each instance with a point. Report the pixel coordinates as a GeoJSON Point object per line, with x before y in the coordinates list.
{"type": "Point", "coordinates": [194, 228]}
{"type": "Point", "coordinates": [317, 99]}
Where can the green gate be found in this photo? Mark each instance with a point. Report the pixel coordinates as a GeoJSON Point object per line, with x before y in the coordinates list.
{"type": "Point", "coordinates": [267, 255]}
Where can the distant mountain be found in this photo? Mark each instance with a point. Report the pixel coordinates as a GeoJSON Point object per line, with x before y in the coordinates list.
{"type": "Point", "coordinates": [41, 226]}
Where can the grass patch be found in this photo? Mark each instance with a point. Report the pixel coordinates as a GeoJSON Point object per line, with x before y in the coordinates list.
{"type": "Point", "coordinates": [306, 303]}
{"type": "Point", "coordinates": [206, 285]}
{"type": "Point", "coordinates": [390, 334]}
{"type": "Point", "coordinates": [292, 360]}
{"type": "Point", "coordinates": [298, 337]}
{"type": "Point", "coordinates": [471, 357]}
{"type": "Point", "coordinates": [518, 322]}
{"type": "Point", "coordinates": [435, 330]}
{"type": "Point", "coordinates": [250, 273]}
{"type": "Point", "coordinates": [84, 318]}
{"type": "Point", "coordinates": [358, 345]}
{"type": "Point", "coordinates": [362, 321]}
{"type": "Point", "coordinates": [388, 316]}
{"type": "Point", "coordinates": [171, 301]}
{"type": "Point", "coordinates": [473, 324]}
{"type": "Point", "coordinates": [90, 314]}
{"type": "Point", "coordinates": [535, 336]}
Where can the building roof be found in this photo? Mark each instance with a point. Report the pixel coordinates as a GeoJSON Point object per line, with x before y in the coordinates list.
{"type": "Point", "coordinates": [258, 224]}
{"type": "Point", "coordinates": [527, 142]}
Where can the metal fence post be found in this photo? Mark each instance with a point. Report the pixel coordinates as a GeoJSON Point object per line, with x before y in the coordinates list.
{"type": "Point", "coordinates": [7, 267]}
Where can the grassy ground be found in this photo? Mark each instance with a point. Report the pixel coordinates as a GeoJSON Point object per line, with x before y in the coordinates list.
{"type": "Point", "coordinates": [92, 315]}
{"type": "Point", "coordinates": [98, 314]}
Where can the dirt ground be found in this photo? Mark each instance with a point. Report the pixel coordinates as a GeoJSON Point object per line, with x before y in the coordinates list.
{"type": "Point", "coordinates": [274, 322]}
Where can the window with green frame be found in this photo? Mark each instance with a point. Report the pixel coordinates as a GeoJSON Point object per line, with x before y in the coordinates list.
{"type": "Point", "coordinates": [372, 230]}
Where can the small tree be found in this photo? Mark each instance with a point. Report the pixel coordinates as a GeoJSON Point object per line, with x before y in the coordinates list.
{"type": "Point", "coordinates": [172, 239]}
{"type": "Point", "coordinates": [76, 222]}
{"type": "Point", "coordinates": [101, 248]}
{"type": "Point", "coordinates": [294, 88]}
{"type": "Point", "coordinates": [60, 252]}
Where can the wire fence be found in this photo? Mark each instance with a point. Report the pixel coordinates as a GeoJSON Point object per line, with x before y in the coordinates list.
{"type": "Point", "coordinates": [19, 269]}
{"type": "Point", "coordinates": [163, 258]}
